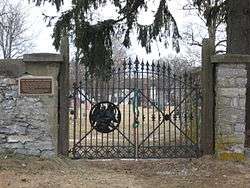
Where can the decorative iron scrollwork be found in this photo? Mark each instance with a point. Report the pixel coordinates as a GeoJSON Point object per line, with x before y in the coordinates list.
{"type": "Point", "coordinates": [105, 117]}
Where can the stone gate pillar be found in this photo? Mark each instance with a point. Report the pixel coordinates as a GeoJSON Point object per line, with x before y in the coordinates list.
{"type": "Point", "coordinates": [230, 105]}
{"type": "Point", "coordinates": [29, 105]}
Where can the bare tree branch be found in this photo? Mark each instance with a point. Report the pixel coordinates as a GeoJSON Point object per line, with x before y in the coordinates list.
{"type": "Point", "coordinates": [220, 51]}
{"type": "Point", "coordinates": [220, 43]}
{"type": "Point", "coordinates": [13, 39]}
{"type": "Point", "coordinates": [213, 26]}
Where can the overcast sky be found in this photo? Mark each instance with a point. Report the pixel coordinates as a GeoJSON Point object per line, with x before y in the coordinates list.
{"type": "Point", "coordinates": [42, 34]}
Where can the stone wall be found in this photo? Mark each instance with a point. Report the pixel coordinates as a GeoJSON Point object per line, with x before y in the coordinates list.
{"type": "Point", "coordinates": [28, 124]}
{"type": "Point", "coordinates": [230, 101]}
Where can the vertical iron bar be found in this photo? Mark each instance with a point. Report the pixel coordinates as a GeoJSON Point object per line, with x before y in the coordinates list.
{"type": "Point", "coordinates": [197, 100]}
{"type": "Point", "coordinates": [175, 107]}
{"type": "Point", "coordinates": [75, 119]}
{"type": "Point", "coordinates": [80, 126]}
{"type": "Point", "coordinates": [169, 101]}
{"type": "Point", "coordinates": [190, 103]}
{"type": "Point", "coordinates": [138, 104]}
{"type": "Point", "coordinates": [124, 103]}
{"type": "Point", "coordinates": [112, 100]}
{"type": "Point", "coordinates": [118, 96]}
{"type": "Point", "coordinates": [185, 105]}
{"type": "Point", "coordinates": [136, 98]}
{"type": "Point", "coordinates": [107, 98]}
{"type": "Point", "coordinates": [142, 103]}
{"type": "Point", "coordinates": [164, 100]}
{"type": "Point", "coordinates": [153, 115]}
{"type": "Point", "coordinates": [99, 98]}
{"type": "Point", "coordinates": [180, 108]}
{"type": "Point", "coordinates": [96, 132]}
{"type": "Point", "coordinates": [129, 106]}
{"type": "Point", "coordinates": [98, 93]}
{"type": "Point", "coordinates": [86, 106]}
{"type": "Point", "coordinates": [158, 101]}
{"type": "Point", "coordinates": [149, 97]}
{"type": "Point", "coordinates": [91, 98]}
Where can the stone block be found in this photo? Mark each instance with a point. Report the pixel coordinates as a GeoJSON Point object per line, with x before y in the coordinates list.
{"type": "Point", "coordinates": [241, 82]}
{"type": "Point", "coordinates": [21, 117]}
{"type": "Point", "coordinates": [229, 140]}
{"type": "Point", "coordinates": [247, 153]}
{"type": "Point", "coordinates": [34, 152]}
{"type": "Point", "coordinates": [231, 82]}
{"type": "Point", "coordinates": [230, 72]}
{"type": "Point", "coordinates": [40, 125]}
{"type": "Point", "coordinates": [231, 92]}
{"type": "Point", "coordinates": [19, 138]}
{"type": "Point", "coordinates": [1, 97]}
{"type": "Point", "coordinates": [230, 114]}
{"type": "Point", "coordinates": [17, 128]}
{"type": "Point", "coordinates": [236, 148]}
{"type": "Point", "coordinates": [224, 129]}
{"type": "Point", "coordinates": [222, 102]}
{"type": "Point", "coordinates": [9, 81]}
{"type": "Point", "coordinates": [6, 130]}
{"type": "Point", "coordinates": [239, 128]}
{"type": "Point", "coordinates": [229, 156]}
{"type": "Point", "coordinates": [8, 115]}
{"type": "Point", "coordinates": [11, 94]}
{"type": "Point", "coordinates": [240, 66]}
{"type": "Point", "coordinates": [41, 145]}
{"type": "Point", "coordinates": [3, 84]}
{"type": "Point", "coordinates": [3, 138]}
{"type": "Point", "coordinates": [37, 133]}
{"type": "Point", "coordinates": [240, 136]}
{"type": "Point", "coordinates": [12, 146]}
{"type": "Point", "coordinates": [1, 123]}
{"type": "Point", "coordinates": [242, 102]}
{"type": "Point", "coordinates": [233, 102]}
{"type": "Point", "coordinates": [8, 104]}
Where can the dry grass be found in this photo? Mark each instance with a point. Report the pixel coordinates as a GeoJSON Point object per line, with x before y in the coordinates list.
{"type": "Point", "coordinates": [206, 172]}
{"type": "Point", "coordinates": [166, 134]}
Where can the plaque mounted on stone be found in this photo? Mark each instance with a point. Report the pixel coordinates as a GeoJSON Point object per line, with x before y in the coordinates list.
{"type": "Point", "coordinates": [33, 85]}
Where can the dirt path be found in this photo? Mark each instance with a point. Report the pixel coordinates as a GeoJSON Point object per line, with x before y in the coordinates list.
{"type": "Point", "coordinates": [40, 173]}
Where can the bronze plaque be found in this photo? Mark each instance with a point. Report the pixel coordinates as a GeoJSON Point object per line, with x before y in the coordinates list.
{"type": "Point", "coordinates": [36, 86]}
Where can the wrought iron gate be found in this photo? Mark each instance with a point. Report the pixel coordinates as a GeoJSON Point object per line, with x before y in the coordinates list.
{"type": "Point", "coordinates": [141, 110]}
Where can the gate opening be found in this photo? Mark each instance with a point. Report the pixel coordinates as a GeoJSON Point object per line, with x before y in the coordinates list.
{"type": "Point", "coordinates": [141, 110]}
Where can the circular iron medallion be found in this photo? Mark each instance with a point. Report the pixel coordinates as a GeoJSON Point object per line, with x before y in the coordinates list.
{"type": "Point", "coordinates": [105, 117]}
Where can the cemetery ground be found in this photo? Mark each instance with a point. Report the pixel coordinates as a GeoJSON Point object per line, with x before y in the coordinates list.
{"type": "Point", "coordinates": [20, 171]}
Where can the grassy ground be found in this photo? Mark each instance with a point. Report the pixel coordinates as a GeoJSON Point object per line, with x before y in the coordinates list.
{"type": "Point", "coordinates": [18, 171]}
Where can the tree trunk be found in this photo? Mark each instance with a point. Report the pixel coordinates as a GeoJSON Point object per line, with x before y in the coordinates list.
{"type": "Point", "coordinates": [63, 131]}
{"type": "Point", "coordinates": [238, 27]}
{"type": "Point", "coordinates": [212, 32]}
{"type": "Point", "coordinates": [238, 42]}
